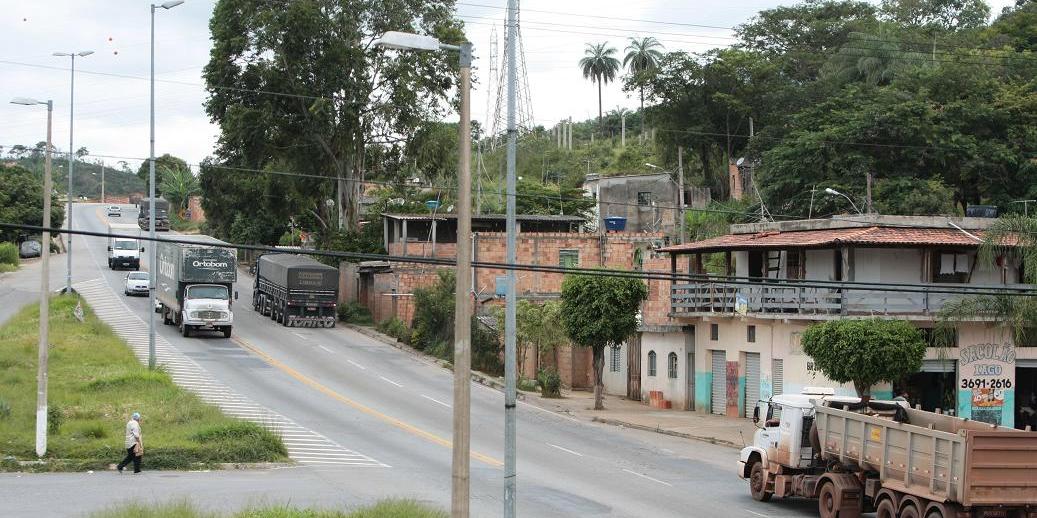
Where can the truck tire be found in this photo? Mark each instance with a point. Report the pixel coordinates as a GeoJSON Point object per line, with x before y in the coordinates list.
{"type": "Point", "coordinates": [226, 331]}
{"type": "Point", "coordinates": [909, 511]}
{"type": "Point", "coordinates": [827, 501]}
{"type": "Point", "coordinates": [886, 509]}
{"type": "Point", "coordinates": [185, 330]}
{"type": "Point", "coordinates": [758, 483]}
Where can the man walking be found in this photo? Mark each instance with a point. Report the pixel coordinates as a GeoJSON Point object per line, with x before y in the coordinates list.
{"type": "Point", "coordinates": [134, 445]}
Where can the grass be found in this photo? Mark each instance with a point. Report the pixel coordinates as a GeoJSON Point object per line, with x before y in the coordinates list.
{"type": "Point", "coordinates": [183, 226]}
{"type": "Point", "coordinates": [95, 383]}
{"type": "Point", "coordinates": [6, 267]}
{"type": "Point", "coordinates": [183, 509]}
{"type": "Point", "coordinates": [9, 254]}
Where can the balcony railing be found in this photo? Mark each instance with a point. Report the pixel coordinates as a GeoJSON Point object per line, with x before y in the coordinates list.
{"type": "Point", "coordinates": [791, 300]}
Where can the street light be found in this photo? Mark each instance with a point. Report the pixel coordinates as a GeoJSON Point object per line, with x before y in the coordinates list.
{"type": "Point", "coordinates": [832, 192]}
{"type": "Point", "coordinates": [41, 364]}
{"type": "Point", "coordinates": [71, 161]}
{"type": "Point", "coordinates": [152, 255]}
{"type": "Point", "coordinates": [463, 302]}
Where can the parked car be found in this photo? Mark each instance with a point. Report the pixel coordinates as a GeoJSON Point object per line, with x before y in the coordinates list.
{"type": "Point", "coordinates": [114, 210]}
{"type": "Point", "coordinates": [30, 248]}
{"type": "Point", "coordinates": [136, 283]}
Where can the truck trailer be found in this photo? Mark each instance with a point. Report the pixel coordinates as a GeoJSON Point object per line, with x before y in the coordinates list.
{"type": "Point", "coordinates": [194, 284]}
{"type": "Point", "coordinates": [124, 252]}
{"type": "Point", "coordinates": [888, 458]}
{"type": "Point", "coordinates": [161, 213]}
{"type": "Point", "coordinates": [295, 290]}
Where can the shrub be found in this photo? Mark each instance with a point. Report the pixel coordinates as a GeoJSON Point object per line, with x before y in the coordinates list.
{"type": "Point", "coordinates": [527, 384]}
{"type": "Point", "coordinates": [550, 383]}
{"type": "Point", "coordinates": [354, 313]}
{"type": "Point", "coordinates": [395, 328]}
{"type": "Point", "coordinates": [9, 253]}
{"type": "Point", "coordinates": [5, 409]}
{"type": "Point", "coordinates": [54, 418]}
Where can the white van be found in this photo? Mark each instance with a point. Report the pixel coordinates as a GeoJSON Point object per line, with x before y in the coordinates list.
{"type": "Point", "coordinates": [124, 252]}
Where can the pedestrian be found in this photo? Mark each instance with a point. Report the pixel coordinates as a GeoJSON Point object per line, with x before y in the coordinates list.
{"type": "Point", "coordinates": [903, 396]}
{"type": "Point", "coordinates": [134, 444]}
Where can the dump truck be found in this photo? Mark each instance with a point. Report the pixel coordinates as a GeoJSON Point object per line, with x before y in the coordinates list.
{"type": "Point", "coordinates": [161, 213]}
{"type": "Point", "coordinates": [888, 458]}
{"type": "Point", "coordinates": [295, 290]}
{"type": "Point", "coordinates": [124, 252]}
{"type": "Point", "coordinates": [194, 284]}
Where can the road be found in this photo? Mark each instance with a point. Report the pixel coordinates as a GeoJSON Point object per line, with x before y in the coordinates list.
{"type": "Point", "coordinates": [391, 408]}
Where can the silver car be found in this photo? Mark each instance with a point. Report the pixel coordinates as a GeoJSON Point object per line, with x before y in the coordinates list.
{"type": "Point", "coordinates": [114, 210]}
{"type": "Point", "coordinates": [136, 283]}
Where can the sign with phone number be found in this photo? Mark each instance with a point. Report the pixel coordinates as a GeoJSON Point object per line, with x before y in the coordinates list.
{"type": "Point", "coordinates": [986, 383]}
{"type": "Point", "coordinates": [987, 370]}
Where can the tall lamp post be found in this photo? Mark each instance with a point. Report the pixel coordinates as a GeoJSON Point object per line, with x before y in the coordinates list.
{"type": "Point", "coordinates": [71, 161]}
{"type": "Point", "coordinates": [152, 254]}
{"type": "Point", "coordinates": [41, 366]}
{"type": "Point", "coordinates": [832, 192]}
{"type": "Point", "coordinates": [463, 301]}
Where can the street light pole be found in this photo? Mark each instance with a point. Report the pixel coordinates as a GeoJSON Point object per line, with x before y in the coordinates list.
{"type": "Point", "coordinates": [832, 192]}
{"type": "Point", "coordinates": [152, 254]}
{"type": "Point", "coordinates": [510, 351]}
{"type": "Point", "coordinates": [71, 161]}
{"type": "Point", "coordinates": [43, 345]}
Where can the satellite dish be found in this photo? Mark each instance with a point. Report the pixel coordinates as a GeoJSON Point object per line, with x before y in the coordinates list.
{"type": "Point", "coordinates": [450, 208]}
{"type": "Point", "coordinates": [740, 160]}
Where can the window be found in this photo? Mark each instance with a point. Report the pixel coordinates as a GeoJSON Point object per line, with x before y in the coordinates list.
{"type": "Point", "coordinates": [569, 258]}
{"type": "Point", "coordinates": [794, 264]}
{"type": "Point", "coordinates": [953, 267]}
{"type": "Point", "coordinates": [671, 362]}
{"type": "Point", "coordinates": [651, 363]}
{"type": "Point", "coordinates": [714, 332]}
{"type": "Point", "coordinates": [750, 334]}
{"type": "Point", "coordinates": [615, 360]}
{"type": "Point", "coordinates": [644, 199]}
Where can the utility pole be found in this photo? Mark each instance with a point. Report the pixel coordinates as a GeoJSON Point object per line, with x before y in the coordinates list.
{"type": "Point", "coordinates": [71, 162]}
{"type": "Point", "coordinates": [869, 209]}
{"type": "Point", "coordinates": [510, 356]}
{"type": "Point", "coordinates": [623, 130]}
{"type": "Point", "coordinates": [680, 190]}
{"type": "Point", "coordinates": [810, 213]}
{"type": "Point", "coordinates": [1026, 206]}
{"type": "Point", "coordinates": [102, 183]}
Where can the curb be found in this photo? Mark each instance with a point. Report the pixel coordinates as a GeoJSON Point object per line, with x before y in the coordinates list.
{"type": "Point", "coordinates": [624, 424]}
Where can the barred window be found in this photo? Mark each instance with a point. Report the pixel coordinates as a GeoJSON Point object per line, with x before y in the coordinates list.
{"type": "Point", "coordinates": [672, 365]}
{"type": "Point", "coordinates": [651, 363]}
{"type": "Point", "coordinates": [615, 360]}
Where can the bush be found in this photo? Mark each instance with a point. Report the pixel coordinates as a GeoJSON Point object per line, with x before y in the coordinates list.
{"type": "Point", "coordinates": [550, 383]}
{"type": "Point", "coordinates": [354, 313]}
{"type": "Point", "coordinates": [5, 409]}
{"type": "Point", "coordinates": [527, 384]}
{"type": "Point", "coordinates": [395, 328]}
{"type": "Point", "coordinates": [9, 253]}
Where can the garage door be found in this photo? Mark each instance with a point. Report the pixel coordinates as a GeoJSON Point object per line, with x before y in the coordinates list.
{"type": "Point", "coordinates": [752, 382]}
{"type": "Point", "coordinates": [718, 397]}
{"type": "Point", "coordinates": [777, 377]}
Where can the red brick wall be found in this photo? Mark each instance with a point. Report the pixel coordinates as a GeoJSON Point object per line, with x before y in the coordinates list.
{"type": "Point", "coordinates": [656, 309]}
{"type": "Point", "coordinates": [194, 204]}
{"type": "Point", "coordinates": [424, 249]}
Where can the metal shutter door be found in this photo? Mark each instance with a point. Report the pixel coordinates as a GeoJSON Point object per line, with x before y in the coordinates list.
{"type": "Point", "coordinates": [777, 377]}
{"type": "Point", "coordinates": [752, 382]}
{"type": "Point", "coordinates": [946, 365]}
{"type": "Point", "coordinates": [718, 398]}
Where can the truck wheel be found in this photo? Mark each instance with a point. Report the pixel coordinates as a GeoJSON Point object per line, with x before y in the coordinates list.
{"type": "Point", "coordinates": [909, 511]}
{"type": "Point", "coordinates": [758, 483]}
{"type": "Point", "coordinates": [886, 509]}
{"type": "Point", "coordinates": [226, 332]}
{"type": "Point", "coordinates": [185, 330]}
{"type": "Point", "coordinates": [826, 501]}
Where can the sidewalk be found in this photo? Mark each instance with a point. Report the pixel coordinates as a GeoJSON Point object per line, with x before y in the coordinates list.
{"type": "Point", "coordinates": [723, 431]}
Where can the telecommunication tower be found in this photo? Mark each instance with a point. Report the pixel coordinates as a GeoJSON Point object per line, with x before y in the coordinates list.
{"type": "Point", "coordinates": [523, 106]}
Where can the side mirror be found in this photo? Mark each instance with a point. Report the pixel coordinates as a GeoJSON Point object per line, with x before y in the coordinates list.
{"type": "Point", "coordinates": [235, 295]}
{"type": "Point", "coordinates": [756, 414]}
{"type": "Point", "coordinates": [142, 249]}
{"type": "Point", "coordinates": [109, 249]}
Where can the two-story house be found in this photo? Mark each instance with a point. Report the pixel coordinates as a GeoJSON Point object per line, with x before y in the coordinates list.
{"type": "Point", "coordinates": [733, 337]}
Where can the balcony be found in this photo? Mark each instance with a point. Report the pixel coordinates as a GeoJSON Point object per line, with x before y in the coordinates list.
{"type": "Point", "coordinates": [811, 302]}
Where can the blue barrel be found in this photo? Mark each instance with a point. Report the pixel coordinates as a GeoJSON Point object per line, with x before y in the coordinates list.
{"type": "Point", "coordinates": [615, 223]}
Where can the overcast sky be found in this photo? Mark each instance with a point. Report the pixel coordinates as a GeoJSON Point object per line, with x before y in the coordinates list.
{"type": "Point", "coordinates": [111, 105]}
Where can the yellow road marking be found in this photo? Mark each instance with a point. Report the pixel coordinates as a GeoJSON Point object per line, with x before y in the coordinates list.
{"type": "Point", "coordinates": [407, 427]}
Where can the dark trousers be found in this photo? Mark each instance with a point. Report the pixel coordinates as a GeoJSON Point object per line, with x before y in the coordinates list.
{"type": "Point", "coordinates": [130, 457]}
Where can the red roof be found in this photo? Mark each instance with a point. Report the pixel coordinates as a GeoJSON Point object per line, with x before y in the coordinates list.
{"type": "Point", "coordinates": [830, 238]}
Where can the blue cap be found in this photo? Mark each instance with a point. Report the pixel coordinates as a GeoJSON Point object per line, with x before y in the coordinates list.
{"type": "Point", "coordinates": [136, 416]}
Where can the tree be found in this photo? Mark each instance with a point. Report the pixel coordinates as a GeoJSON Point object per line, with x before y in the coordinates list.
{"type": "Point", "coordinates": [21, 202]}
{"type": "Point", "coordinates": [546, 199]}
{"type": "Point", "coordinates": [599, 66]}
{"type": "Point", "coordinates": [433, 326]}
{"type": "Point", "coordinates": [82, 152]}
{"type": "Point", "coordinates": [163, 163]}
{"type": "Point", "coordinates": [864, 352]}
{"type": "Point", "coordinates": [913, 197]}
{"type": "Point", "coordinates": [178, 185]}
{"type": "Point", "coordinates": [943, 15]}
{"type": "Point", "coordinates": [642, 60]}
{"type": "Point", "coordinates": [536, 328]}
{"type": "Point", "coordinates": [599, 311]}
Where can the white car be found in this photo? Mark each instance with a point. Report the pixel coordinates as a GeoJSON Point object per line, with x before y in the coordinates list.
{"type": "Point", "coordinates": [136, 283]}
{"type": "Point", "coordinates": [114, 210]}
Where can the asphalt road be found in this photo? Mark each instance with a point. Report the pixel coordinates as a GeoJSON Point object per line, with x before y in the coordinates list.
{"type": "Point", "coordinates": [393, 407]}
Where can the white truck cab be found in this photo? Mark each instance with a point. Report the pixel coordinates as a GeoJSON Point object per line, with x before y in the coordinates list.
{"type": "Point", "coordinates": [208, 306]}
{"type": "Point", "coordinates": [124, 251]}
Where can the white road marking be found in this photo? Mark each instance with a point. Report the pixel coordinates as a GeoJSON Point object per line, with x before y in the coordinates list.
{"type": "Point", "coordinates": [756, 513]}
{"type": "Point", "coordinates": [357, 365]}
{"type": "Point", "coordinates": [390, 381]}
{"type": "Point", "coordinates": [326, 349]}
{"type": "Point", "coordinates": [434, 400]}
{"type": "Point", "coordinates": [299, 335]}
{"type": "Point", "coordinates": [567, 450]}
{"type": "Point", "coordinates": [646, 477]}
{"type": "Point", "coordinates": [556, 414]}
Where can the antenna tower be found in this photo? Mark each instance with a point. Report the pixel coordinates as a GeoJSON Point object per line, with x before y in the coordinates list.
{"type": "Point", "coordinates": [492, 84]}
{"type": "Point", "coordinates": [524, 107]}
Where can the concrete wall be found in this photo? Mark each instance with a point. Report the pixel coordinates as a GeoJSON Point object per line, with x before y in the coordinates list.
{"type": "Point", "coordinates": [615, 381]}
{"type": "Point", "coordinates": [673, 389]}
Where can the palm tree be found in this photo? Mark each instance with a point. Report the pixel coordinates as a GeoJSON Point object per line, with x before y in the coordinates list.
{"type": "Point", "coordinates": [871, 58]}
{"type": "Point", "coordinates": [600, 67]}
{"type": "Point", "coordinates": [178, 185]}
{"type": "Point", "coordinates": [641, 60]}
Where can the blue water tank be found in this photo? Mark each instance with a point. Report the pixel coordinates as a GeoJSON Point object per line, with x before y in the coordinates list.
{"type": "Point", "coordinates": [501, 286]}
{"type": "Point", "coordinates": [615, 223]}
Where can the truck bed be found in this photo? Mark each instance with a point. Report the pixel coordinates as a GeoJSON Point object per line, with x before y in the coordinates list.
{"type": "Point", "coordinates": [297, 273]}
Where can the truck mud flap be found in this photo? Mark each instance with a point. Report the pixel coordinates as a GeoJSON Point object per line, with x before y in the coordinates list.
{"type": "Point", "coordinates": [310, 322]}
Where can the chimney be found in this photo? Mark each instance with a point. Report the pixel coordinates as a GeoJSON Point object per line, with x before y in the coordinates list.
{"type": "Point", "coordinates": [734, 177]}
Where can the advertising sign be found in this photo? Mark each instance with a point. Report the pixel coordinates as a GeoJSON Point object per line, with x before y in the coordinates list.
{"type": "Point", "coordinates": [986, 380]}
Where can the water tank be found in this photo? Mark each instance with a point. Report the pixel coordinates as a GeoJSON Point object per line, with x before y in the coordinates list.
{"type": "Point", "coordinates": [981, 211]}
{"type": "Point", "coordinates": [615, 224]}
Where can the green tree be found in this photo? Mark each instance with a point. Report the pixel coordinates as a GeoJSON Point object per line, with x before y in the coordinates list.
{"type": "Point", "coordinates": [537, 198]}
{"type": "Point", "coordinates": [536, 328]}
{"type": "Point", "coordinates": [944, 15]}
{"type": "Point", "coordinates": [913, 197]}
{"type": "Point", "coordinates": [599, 311]}
{"type": "Point", "coordinates": [21, 202]}
{"type": "Point", "coordinates": [642, 60]}
{"type": "Point", "coordinates": [433, 326]}
{"type": "Point", "coordinates": [178, 185]}
{"type": "Point", "coordinates": [163, 163]}
{"type": "Point", "coordinates": [600, 66]}
{"type": "Point", "coordinates": [865, 352]}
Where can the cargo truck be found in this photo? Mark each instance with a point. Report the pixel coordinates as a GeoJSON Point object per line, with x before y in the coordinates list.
{"type": "Point", "coordinates": [194, 284]}
{"type": "Point", "coordinates": [123, 252]}
{"type": "Point", "coordinates": [161, 213]}
{"type": "Point", "coordinates": [295, 290]}
{"type": "Point", "coordinates": [888, 458]}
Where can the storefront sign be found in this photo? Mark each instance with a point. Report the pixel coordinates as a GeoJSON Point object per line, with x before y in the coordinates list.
{"type": "Point", "coordinates": [986, 375]}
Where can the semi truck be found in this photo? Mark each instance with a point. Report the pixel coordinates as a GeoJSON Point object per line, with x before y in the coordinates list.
{"type": "Point", "coordinates": [123, 252]}
{"type": "Point", "coordinates": [161, 213]}
{"type": "Point", "coordinates": [888, 458]}
{"type": "Point", "coordinates": [194, 284]}
{"type": "Point", "coordinates": [295, 290]}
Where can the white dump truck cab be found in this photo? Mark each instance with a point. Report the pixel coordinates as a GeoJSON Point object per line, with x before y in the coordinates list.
{"type": "Point", "coordinates": [207, 307]}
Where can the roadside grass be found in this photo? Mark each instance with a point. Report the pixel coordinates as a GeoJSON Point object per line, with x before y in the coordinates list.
{"type": "Point", "coordinates": [9, 254]}
{"type": "Point", "coordinates": [95, 383]}
{"type": "Point", "coordinates": [183, 509]}
{"type": "Point", "coordinates": [7, 267]}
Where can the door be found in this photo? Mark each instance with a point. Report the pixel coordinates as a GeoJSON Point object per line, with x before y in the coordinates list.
{"type": "Point", "coordinates": [718, 391]}
{"type": "Point", "coordinates": [777, 377]}
{"type": "Point", "coordinates": [752, 382]}
{"type": "Point", "coordinates": [634, 367]}
{"type": "Point", "coordinates": [689, 372]}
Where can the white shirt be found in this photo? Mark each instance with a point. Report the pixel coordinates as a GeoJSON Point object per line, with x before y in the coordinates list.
{"type": "Point", "coordinates": [132, 433]}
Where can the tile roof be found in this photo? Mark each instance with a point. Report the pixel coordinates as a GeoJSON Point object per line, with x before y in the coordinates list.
{"type": "Point", "coordinates": [864, 236]}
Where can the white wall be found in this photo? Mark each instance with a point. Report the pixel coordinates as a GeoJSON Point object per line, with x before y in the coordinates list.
{"type": "Point", "coordinates": [615, 382]}
{"type": "Point", "coordinates": [674, 389]}
{"type": "Point", "coordinates": [820, 265]}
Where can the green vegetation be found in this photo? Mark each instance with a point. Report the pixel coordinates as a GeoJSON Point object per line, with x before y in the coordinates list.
{"type": "Point", "coordinates": [865, 352]}
{"type": "Point", "coordinates": [21, 202]}
{"type": "Point", "coordinates": [536, 329]}
{"type": "Point", "coordinates": [600, 66]}
{"type": "Point", "coordinates": [434, 327]}
{"type": "Point", "coordinates": [9, 254]}
{"type": "Point", "coordinates": [598, 311]}
{"type": "Point", "coordinates": [183, 509]}
{"type": "Point", "coordinates": [95, 384]}
{"type": "Point", "coordinates": [118, 180]}
{"type": "Point", "coordinates": [550, 383]}
{"type": "Point", "coordinates": [354, 313]}
{"type": "Point", "coordinates": [178, 185]}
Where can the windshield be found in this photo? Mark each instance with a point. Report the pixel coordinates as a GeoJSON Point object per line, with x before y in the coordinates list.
{"type": "Point", "coordinates": [125, 245]}
{"type": "Point", "coordinates": [139, 276]}
{"type": "Point", "coordinates": [207, 292]}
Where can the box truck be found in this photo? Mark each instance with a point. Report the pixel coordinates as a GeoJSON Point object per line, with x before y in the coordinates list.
{"type": "Point", "coordinates": [295, 290]}
{"type": "Point", "coordinates": [195, 284]}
